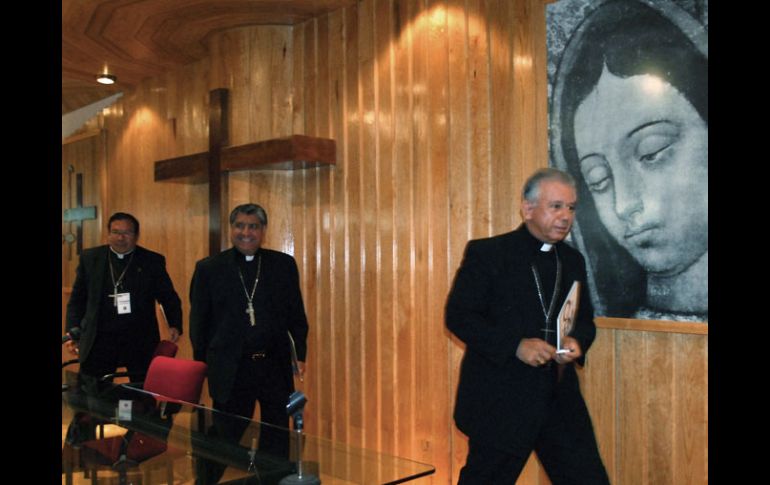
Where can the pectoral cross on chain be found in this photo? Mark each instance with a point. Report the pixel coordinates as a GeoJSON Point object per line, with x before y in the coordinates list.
{"type": "Point", "coordinates": [250, 297]}
{"type": "Point", "coordinates": [116, 283]}
{"type": "Point", "coordinates": [250, 311]}
{"type": "Point", "coordinates": [114, 297]}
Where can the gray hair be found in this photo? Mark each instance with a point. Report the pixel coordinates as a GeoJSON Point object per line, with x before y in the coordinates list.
{"type": "Point", "coordinates": [249, 209]}
{"type": "Point", "coordinates": [531, 190]}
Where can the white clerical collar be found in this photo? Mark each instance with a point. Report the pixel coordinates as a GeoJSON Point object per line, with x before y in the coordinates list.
{"type": "Point", "coordinates": [546, 247]}
{"type": "Point", "coordinates": [121, 255]}
{"type": "Point", "coordinates": [249, 257]}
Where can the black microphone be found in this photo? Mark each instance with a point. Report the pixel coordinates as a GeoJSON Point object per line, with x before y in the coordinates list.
{"type": "Point", "coordinates": [73, 334]}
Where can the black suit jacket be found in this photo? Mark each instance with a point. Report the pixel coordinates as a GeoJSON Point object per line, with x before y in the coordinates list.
{"type": "Point", "coordinates": [218, 320]}
{"type": "Point", "coordinates": [148, 269]}
{"type": "Point", "coordinates": [492, 305]}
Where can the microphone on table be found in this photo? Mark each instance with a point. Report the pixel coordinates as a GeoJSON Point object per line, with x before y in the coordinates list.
{"type": "Point", "coordinates": [294, 409]}
{"type": "Point", "coordinates": [74, 335]}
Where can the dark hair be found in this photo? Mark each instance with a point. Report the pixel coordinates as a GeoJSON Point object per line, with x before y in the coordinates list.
{"type": "Point", "coordinates": [630, 38]}
{"type": "Point", "coordinates": [249, 209]}
{"type": "Point", "coordinates": [124, 216]}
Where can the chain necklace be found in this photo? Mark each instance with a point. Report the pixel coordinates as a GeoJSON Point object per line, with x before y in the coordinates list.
{"type": "Point", "coordinates": [557, 285]}
{"type": "Point", "coordinates": [249, 298]}
{"type": "Point", "coordinates": [116, 284]}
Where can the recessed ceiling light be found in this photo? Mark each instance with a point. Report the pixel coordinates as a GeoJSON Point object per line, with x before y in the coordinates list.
{"type": "Point", "coordinates": [106, 79]}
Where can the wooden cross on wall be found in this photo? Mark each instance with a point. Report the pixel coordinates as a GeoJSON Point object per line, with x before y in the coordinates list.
{"type": "Point", "coordinates": [295, 152]}
{"type": "Point", "coordinates": [76, 214]}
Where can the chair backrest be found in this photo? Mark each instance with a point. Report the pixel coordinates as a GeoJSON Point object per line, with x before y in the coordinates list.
{"type": "Point", "coordinates": [177, 379]}
{"type": "Point", "coordinates": [166, 348]}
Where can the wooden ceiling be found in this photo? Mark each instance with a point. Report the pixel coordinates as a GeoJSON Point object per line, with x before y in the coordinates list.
{"type": "Point", "coordinates": [137, 39]}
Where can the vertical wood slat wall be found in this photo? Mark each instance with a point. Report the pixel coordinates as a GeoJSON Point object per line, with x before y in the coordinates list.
{"type": "Point", "coordinates": [647, 390]}
{"type": "Point", "coordinates": [439, 113]}
{"type": "Point", "coordinates": [85, 154]}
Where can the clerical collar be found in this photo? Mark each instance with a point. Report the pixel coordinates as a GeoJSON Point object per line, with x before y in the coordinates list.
{"type": "Point", "coordinates": [537, 243]}
{"type": "Point", "coordinates": [120, 255]}
{"type": "Point", "coordinates": [245, 258]}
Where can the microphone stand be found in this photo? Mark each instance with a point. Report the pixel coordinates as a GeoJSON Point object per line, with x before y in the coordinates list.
{"type": "Point", "coordinates": [73, 334]}
{"type": "Point", "coordinates": [298, 478]}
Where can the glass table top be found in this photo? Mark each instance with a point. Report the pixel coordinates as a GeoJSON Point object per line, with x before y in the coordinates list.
{"type": "Point", "coordinates": [121, 431]}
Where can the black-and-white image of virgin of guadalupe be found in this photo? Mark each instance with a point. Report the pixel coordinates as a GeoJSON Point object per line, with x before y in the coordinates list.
{"type": "Point", "coordinates": [628, 118]}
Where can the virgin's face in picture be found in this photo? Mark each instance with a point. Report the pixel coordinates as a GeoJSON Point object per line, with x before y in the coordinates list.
{"type": "Point", "coordinates": [643, 153]}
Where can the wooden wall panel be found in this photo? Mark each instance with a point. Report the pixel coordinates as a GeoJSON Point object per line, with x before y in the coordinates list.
{"type": "Point", "coordinates": [399, 72]}
{"type": "Point", "coordinates": [336, 217]}
{"type": "Point", "coordinates": [503, 120]}
{"type": "Point", "coordinates": [690, 409]}
{"type": "Point", "coordinates": [85, 154]}
{"type": "Point", "coordinates": [438, 109]}
{"type": "Point", "coordinates": [647, 391]}
{"type": "Point", "coordinates": [351, 153]}
{"type": "Point", "coordinates": [598, 381]}
{"type": "Point", "coordinates": [368, 214]}
{"type": "Point", "coordinates": [385, 237]}
{"type": "Point", "coordinates": [463, 76]}
{"type": "Point", "coordinates": [431, 334]}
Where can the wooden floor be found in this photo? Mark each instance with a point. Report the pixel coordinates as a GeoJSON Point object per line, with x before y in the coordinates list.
{"type": "Point", "coordinates": [182, 476]}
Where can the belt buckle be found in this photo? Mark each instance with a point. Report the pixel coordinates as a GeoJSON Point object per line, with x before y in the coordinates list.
{"type": "Point", "coordinates": [257, 355]}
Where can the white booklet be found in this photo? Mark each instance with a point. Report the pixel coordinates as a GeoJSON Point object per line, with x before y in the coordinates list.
{"type": "Point", "coordinates": [566, 319]}
{"type": "Point", "coordinates": [294, 361]}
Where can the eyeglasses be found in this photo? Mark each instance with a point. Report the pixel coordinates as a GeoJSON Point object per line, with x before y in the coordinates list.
{"type": "Point", "coordinates": [121, 233]}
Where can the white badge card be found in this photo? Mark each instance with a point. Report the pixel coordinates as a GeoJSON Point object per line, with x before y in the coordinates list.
{"type": "Point", "coordinates": [124, 410]}
{"type": "Point", "coordinates": [124, 303]}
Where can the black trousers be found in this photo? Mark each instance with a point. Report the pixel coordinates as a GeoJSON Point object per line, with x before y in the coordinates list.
{"type": "Point", "coordinates": [255, 381]}
{"type": "Point", "coordinates": [117, 349]}
{"type": "Point", "coordinates": [566, 447]}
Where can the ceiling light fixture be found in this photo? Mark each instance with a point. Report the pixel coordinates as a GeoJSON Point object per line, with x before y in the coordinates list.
{"type": "Point", "coordinates": [106, 78]}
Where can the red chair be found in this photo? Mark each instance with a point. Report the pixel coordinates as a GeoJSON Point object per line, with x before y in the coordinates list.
{"type": "Point", "coordinates": [175, 380]}
{"type": "Point", "coordinates": [171, 381]}
{"type": "Point", "coordinates": [166, 348]}
{"type": "Point", "coordinates": [83, 422]}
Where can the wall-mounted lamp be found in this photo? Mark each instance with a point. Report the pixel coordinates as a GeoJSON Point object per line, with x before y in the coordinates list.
{"type": "Point", "coordinates": [106, 79]}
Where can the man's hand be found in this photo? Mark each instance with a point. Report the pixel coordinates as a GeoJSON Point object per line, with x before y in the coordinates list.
{"type": "Point", "coordinates": [535, 351]}
{"type": "Point", "coordinates": [567, 357]}
{"type": "Point", "coordinates": [301, 371]}
{"type": "Point", "coordinates": [72, 347]}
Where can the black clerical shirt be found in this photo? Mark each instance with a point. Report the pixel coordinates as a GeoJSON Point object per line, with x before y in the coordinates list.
{"type": "Point", "coordinates": [545, 264]}
{"type": "Point", "coordinates": [109, 319]}
{"type": "Point", "coordinates": [256, 336]}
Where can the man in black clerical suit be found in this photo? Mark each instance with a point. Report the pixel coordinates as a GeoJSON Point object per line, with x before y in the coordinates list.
{"type": "Point", "coordinates": [245, 303]}
{"type": "Point", "coordinates": [516, 393]}
{"type": "Point", "coordinates": [113, 302]}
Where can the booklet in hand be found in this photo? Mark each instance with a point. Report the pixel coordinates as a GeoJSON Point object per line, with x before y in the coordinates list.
{"type": "Point", "coordinates": [566, 319]}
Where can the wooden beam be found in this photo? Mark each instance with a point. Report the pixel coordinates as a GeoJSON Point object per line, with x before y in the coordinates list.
{"type": "Point", "coordinates": [81, 136]}
{"type": "Point", "coordinates": [218, 139]}
{"type": "Point", "coordinates": [189, 169]}
{"type": "Point", "coordinates": [697, 328]}
{"type": "Point", "coordinates": [295, 152]}
{"type": "Point", "coordinates": [290, 153]}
